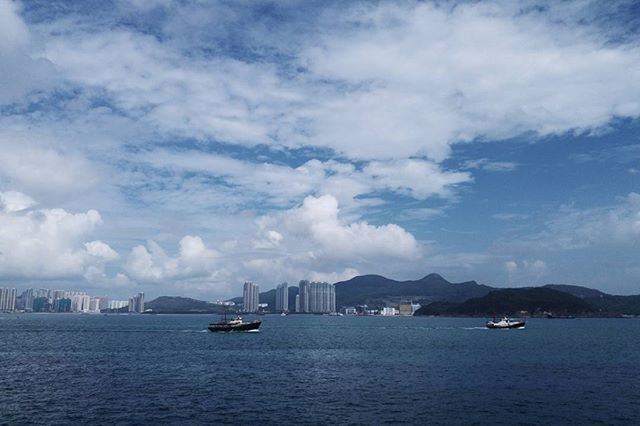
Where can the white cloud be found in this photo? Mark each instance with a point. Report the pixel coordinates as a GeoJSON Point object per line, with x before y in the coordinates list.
{"type": "Point", "coordinates": [384, 81]}
{"type": "Point", "coordinates": [151, 264]}
{"type": "Point", "coordinates": [39, 165]}
{"type": "Point", "coordinates": [317, 221]}
{"type": "Point", "coordinates": [13, 31]}
{"type": "Point", "coordinates": [101, 250]}
{"type": "Point", "coordinates": [525, 272]}
{"type": "Point", "coordinates": [417, 178]}
{"type": "Point", "coordinates": [48, 243]}
{"type": "Point", "coordinates": [333, 277]}
{"type": "Point", "coordinates": [13, 201]}
{"type": "Point", "coordinates": [284, 185]}
{"type": "Point", "coordinates": [491, 166]}
{"type": "Point", "coordinates": [571, 229]}
{"type": "Point", "coordinates": [21, 74]}
{"type": "Point", "coordinates": [424, 76]}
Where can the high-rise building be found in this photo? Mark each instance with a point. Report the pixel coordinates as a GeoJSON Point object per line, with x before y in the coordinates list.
{"type": "Point", "coordinates": [62, 305]}
{"type": "Point", "coordinates": [322, 298]}
{"type": "Point", "coordinates": [41, 304]}
{"type": "Point", "coordinates": [303, 292]}
{"type": "Point", "coordinates": [42, 292]}
{"type": "Point", "coordinates": [80, 303]}
{"type": "Point", "coordinates": [7, 299]}
{"type": "Point", "coordinates": [250, 297]}
{"type": "Point", "coordinates": [117, 304]}
{"type": "Point", "coordinates": [297, 303]}
{"type": "Point", "coordinates": [282, 298]}
{"type": "Point", "coordinates": [136, 303]}
{"type": "Point", "coordinates": [27, 299]}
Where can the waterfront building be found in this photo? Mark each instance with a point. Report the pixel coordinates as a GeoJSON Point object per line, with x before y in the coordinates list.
{"type": "Point", "coordinates": [117, 304]}
{"type": "Point", "coordinates": [250, 297]}
{"type": "Point", "coordinates": [297, 303]}
{"type": "Point", "coordinates": [103, 302]}
{"type": "Point", "coordinates": [27, 300]}
{"type": "Point", "coordinates": [58, 294]}
{"type": "Point", "coordinates": [7, 299]}
{"type": "Point", "coordinates": [41, 304]}
{"type": "Point", "coordinates": [322, 298]}
{"type": "Point", "coordinates": [388, 311]}
{"type": "Point", "coordinates": [282, 298]}
{"type": "Point", "coordinates": [80, 303]}
{"type": "Point", "coordinates": [62, 305]}
{"type": "Point", "coordinates": [303, 292]}
{"type": "Point", "coordinates": [351, 310]}
{"type": "Point", "coordinates": [42, 292]}
{"type": "Point", "coordinates": [136, 303]}
{"type": "Point", "coordinates": [94, 305]}
{"type": "Point", "coordinates": [408, 308]}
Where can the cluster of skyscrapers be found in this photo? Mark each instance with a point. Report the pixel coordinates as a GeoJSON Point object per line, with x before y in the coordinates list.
{"type": "Point", "coordinates": [45, 300]}
{"type": "Point", "coordinates": [312, 297]}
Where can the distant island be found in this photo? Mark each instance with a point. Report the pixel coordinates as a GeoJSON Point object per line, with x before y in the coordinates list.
{"type": "Point", "coordinates": [437, 296]}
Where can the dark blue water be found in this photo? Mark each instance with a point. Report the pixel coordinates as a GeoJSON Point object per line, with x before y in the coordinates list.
{"type": "Point", "coordinates": [310, 369]}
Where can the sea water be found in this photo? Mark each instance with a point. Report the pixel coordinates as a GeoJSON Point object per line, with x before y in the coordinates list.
{"type": "Point", "coordinates": [167, 369]}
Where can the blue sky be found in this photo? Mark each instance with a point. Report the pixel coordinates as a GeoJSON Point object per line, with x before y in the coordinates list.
{"type": "Point", "coordinates": [185, 147]}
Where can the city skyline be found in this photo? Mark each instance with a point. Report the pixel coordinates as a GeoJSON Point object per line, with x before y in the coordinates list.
{"type": "Point", "coordinates": [61, 301]}
{"type": "Point", "coordinates": [183, 148]}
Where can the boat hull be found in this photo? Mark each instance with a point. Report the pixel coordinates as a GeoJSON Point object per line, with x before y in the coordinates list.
{"type": "Point", "coordinates": [228, 328]}
{"type": "Point", "coordinates": [519, 324]}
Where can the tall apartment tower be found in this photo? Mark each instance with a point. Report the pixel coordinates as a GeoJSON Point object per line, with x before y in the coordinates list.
{"type": "Point", "coordinates": [322, 298]}
{"type": "Point", "coordinates": [282, 298]}
{"type": "Point", "coordinates": [7, 299]}
{"type": "Point", "coordinates": [250, 297]}
{"type": "Point", "coordinates": [303, 292]}
{"type": "Point", "coordinates": [136, 303]}
{"type": "Point", "coordinates": [27, 297]}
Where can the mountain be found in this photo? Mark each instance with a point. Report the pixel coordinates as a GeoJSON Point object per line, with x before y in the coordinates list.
{"type": "Point", "coordinates": [623, 305]}
{"type": "Point", "coordinates": [376, 290]}
{"type": "Point", "coordinates": [441, 297]}
{"type": "Point", "coordinates": [181, 305]}
{"type": "Point", "coordinates": [576, 290]}
{"type": "Point", "coordinates": [603, 302]}
{"type": "Point", "coordinates": [513, 300]}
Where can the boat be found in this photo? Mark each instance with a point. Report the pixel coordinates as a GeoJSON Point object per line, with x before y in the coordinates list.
{"type": "Point", "coordinates": [283, 314]}
{"type": "Point", "coordinates": [235, 324]}
{"type": "Point", "coordinates": [506, 323]}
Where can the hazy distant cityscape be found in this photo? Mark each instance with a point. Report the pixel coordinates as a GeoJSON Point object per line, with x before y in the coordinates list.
{"type": "Point", "coordinates": [62, 301]}
{"type": "Point", "coordinates": [311, 298]}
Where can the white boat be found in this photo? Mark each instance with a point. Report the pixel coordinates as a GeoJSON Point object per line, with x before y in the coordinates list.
{"type": "Point", "coordinates": [506, 323]}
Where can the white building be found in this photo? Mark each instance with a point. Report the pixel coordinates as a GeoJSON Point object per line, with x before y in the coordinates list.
{"type": "Point", "coordinates": [388, 311]}
{"type": "Point", "coordinates": [7, 299]}
{"type": "Point", "coordinates": [322, 298]}
{"type": "Point", "coordinates": [80, 303]}
{"type": "Point", "coordinates": [94, 305]}
{"type": "Point", "coordinates": [250, 297]}
{"type": "Point", "coordinates": [303, 293]}
{"type": "Point", "coordinates": [282, 298]}
{"type": "Point", "coordinates": [117, 304]}
{"type": "Point", "coordinates": [136, 303]}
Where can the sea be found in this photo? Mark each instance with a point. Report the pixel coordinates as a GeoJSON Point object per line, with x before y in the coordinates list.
{"type": "Point", "coordinates": [307, 369]}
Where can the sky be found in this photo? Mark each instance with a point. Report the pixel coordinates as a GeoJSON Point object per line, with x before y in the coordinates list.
{"type": "Point", "coordinates": [184, 147]}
